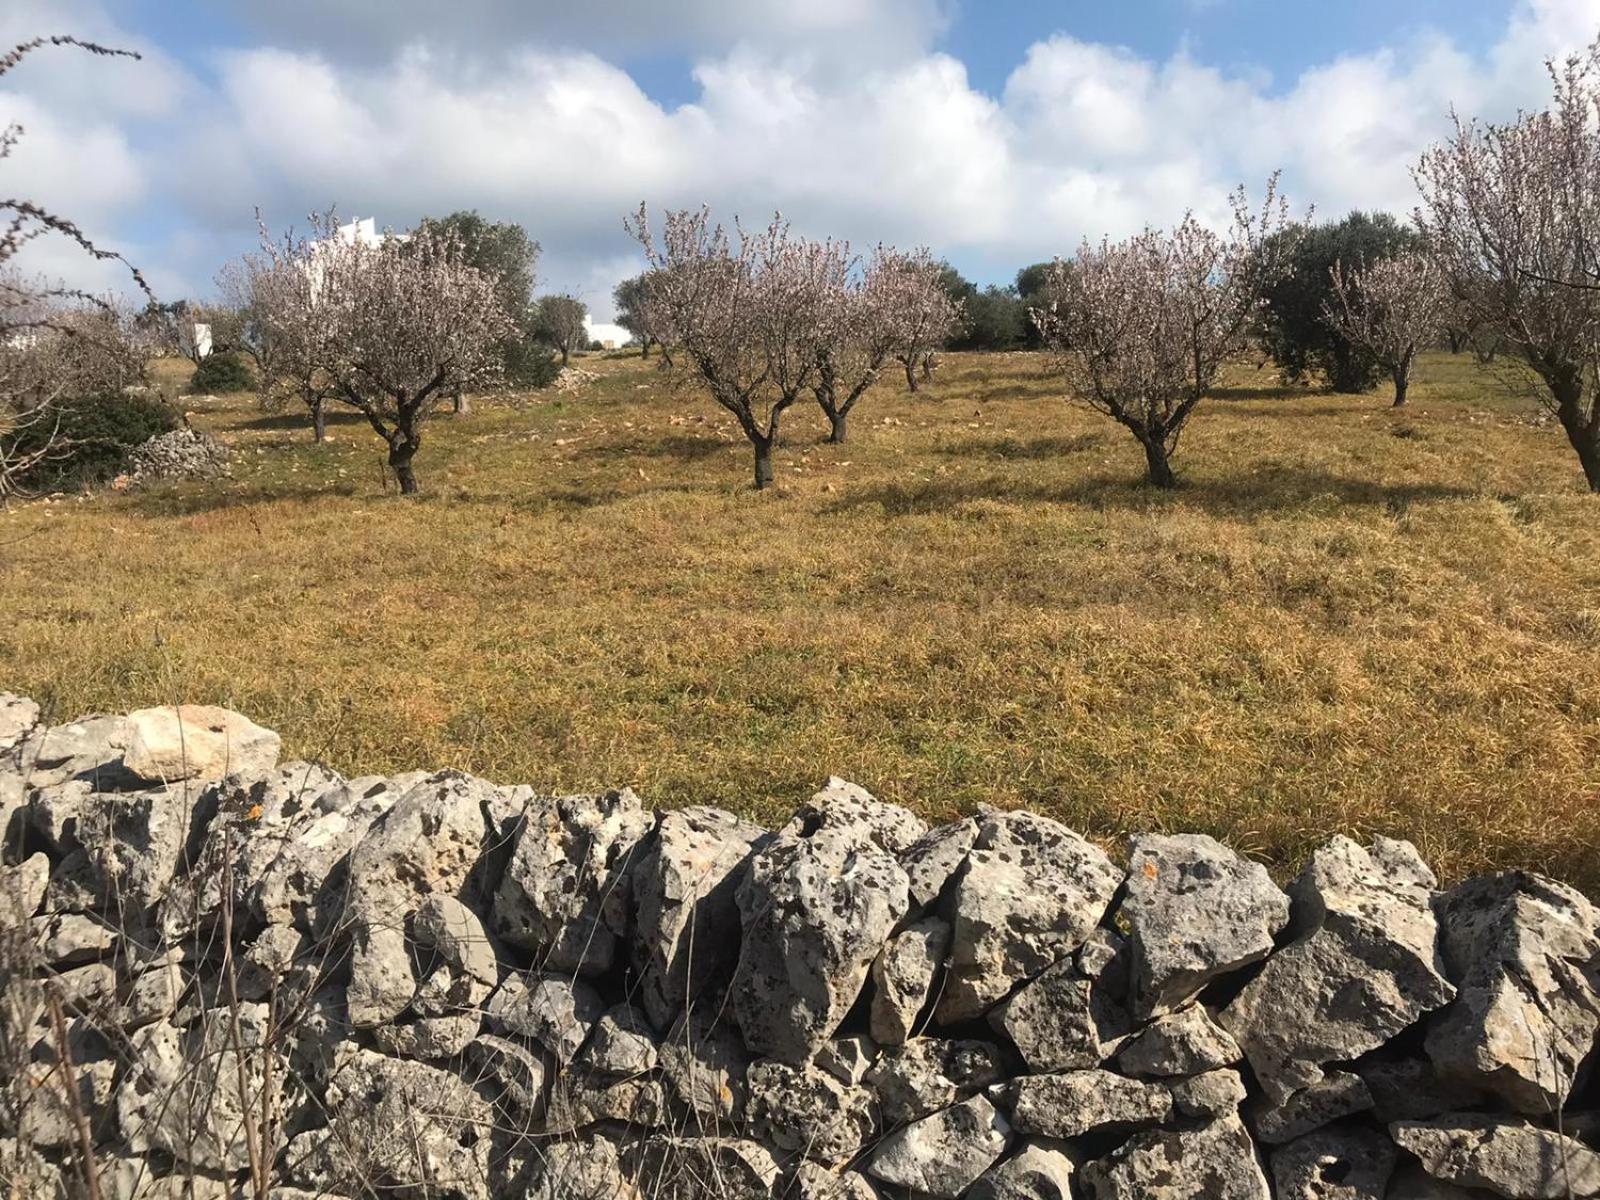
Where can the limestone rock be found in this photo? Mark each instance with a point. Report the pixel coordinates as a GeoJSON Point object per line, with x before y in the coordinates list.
{"type": "Point", "coordinates": [430, 840]}
{"type": "Point", "coordinates": [1342, 1164]}
{"type": "Point", "coordinates": [903, 976]}
{"type": "Point", "coordinates": [71, 939]}
{"type": "Point", "coordinates": [1503, 1155]}
{"type": "Point", "coordinates": [678, 1168]}
{"type": "Point", "coordinates": [1029, 896]}
{"type": "Point", "coordinates": [19, 716]}
{"type": "Point", "coordinates": [1363, 966]}
{"type": "Point", "coordinates": [804, 1110]}
{"type": "Point", "coordinates": [1187, 1042]}
{"type": "Point", "coordinates": [587, 1170]}
{"type": "Point", "coordinates": [1040, 1170]}
{"type": "Point", "coordinates": [566, 893]}
{"type": "Point", "coordinates": [942, 1155]}
{"type": "Point", "coordinates": [848, 1059]}
{"type": "Point", "coordinates": [515, 1071]}
{"type": "Point", "coordinates": [132, 845]}
{"type": "Point", "coordinates": [1336, 1095]}
{"type": "Point", "coordinates": [706, 1067]}
{"type": "Point", "coordinates": [1063, 1020]}
{"type": "Point", "coordinates": [89, 750]}
{"type": "Point", "coordinates": [622, 1045]}
{"type": "Point", "coordinates": [1196, 912]}
{"type": "Point", "coordinates": [813, 1182]}
{"type": "Point", "coordinates": [816, 909]}
{"type": "Point", "coordinates": [1411, 1182]}
{"type": "Point", "coordinates": [399, 1128]}
{"type": "Point", "coordinates": [1216, 1161]}
{"type": "Point", "coordinates": [556, 1011]}
{"type": "Point", "coordinates": [1525, 952]}
{"type": "Point", "coordinates": [685, 886]}
{"type": "Point", "coordinates": [294, 853]}
{"type": "Point", "coordinates": [1409, 1089]}
{"type": "Point", "coordinates": [933, 860]}
{"type": "Point", "coordinates": [182, 1094]}
{"type": "Point", "coordinates": [1073, 1103]}
{"type": "Point", "coordinates": [196, 741]}
{"type": "Point", "coordinates": [22, 889]}
{"type": "Point", "coordinates": [578, 1102]}
{"type": "Point", "coordinates": [1214, 1094]}
{"type": "Point", "coordinates": [847, 808]}
{"type": "Point", "coordinates": [927, 1074]}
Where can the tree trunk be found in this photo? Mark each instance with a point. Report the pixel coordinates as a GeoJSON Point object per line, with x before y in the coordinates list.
{"type": "Point", "coordinates": [1158, 468]}
{"type": "Point", "coordinates": [763, 462]}
{"type": "Point", "coordinates": [838, 427]}
{"type": "Point", "coordinates": [1583, 433]}
{"type": "Point", "coordinates": [564, 353]}
{"type": "Point", "coordinates": [401, 452]}
{"type": "Point", "coordinates": [1402, 381]}
{"type": "Point", "coordinates": [644, 348]}
{"type": "Point", "coordinates": [319, 422]}
{"type": "Point", "coordinates": [462, 404]}
{"type": "Point", "coordinates": [927, 367]}
{"type": "Point", "coordinates": [911, 373]}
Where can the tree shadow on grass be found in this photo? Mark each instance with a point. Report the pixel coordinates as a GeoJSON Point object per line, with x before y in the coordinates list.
{"type": "Point", "coordinates": [1277, 490]}
{"type": "Point", "coordinates": [677, 446]}
{"type": "Point", "coordinates": [1015, 449]}
{"type": "Point", "coordinates": [295, 419]}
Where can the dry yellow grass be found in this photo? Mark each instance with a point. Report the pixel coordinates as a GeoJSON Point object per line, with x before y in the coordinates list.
{"type": "Point", "coordinates": [1347, 619]}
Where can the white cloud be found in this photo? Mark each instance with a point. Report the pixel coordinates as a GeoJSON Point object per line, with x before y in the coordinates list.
{"type": "Point", "coordinates": [1083, 139]}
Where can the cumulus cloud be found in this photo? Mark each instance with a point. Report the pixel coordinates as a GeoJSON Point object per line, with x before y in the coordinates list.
{"type": "Point", "coordinates": [505, 108]}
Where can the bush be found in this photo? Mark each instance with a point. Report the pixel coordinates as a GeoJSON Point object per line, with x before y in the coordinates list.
{"type": "Point", "coordinates": [530, 365]}
{"type": "Point", "coordinates": [93, 438]}
{"type": "Point", "coordinates": [221, 373]}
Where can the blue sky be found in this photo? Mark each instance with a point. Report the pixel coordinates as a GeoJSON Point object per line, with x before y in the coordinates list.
{"type": "Point", "coordinates": [997, 132]}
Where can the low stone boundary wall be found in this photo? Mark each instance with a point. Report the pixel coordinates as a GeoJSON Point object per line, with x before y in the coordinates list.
{"type": "Point", "coordinates": [228, 976]}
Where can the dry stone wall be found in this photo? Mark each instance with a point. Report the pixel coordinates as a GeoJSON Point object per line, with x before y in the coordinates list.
{"type": "Point", "coordinates": [228, 976]}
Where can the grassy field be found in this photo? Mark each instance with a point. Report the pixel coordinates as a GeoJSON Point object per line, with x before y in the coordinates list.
{"type": "Point", "coordinates": [1346, 619]}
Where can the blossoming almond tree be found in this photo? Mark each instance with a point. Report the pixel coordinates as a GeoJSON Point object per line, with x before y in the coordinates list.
{"type": "Point", "coordinates": [1141, 328]}
{"type": "Point", "coordinates": [926, 315]}
{"type": "Point", "coordinates": [1512, 215]}
{"type": "Point", "coordinates": [408, 324]}
{"type": "Point", "coordinates": [747, 318]}
{"type": "Point", "coordinates": [860, 331]}
{"type": "Point", "coordinates": [1392, 308]}
{"type": "Point", "coordinates": [284, 329]}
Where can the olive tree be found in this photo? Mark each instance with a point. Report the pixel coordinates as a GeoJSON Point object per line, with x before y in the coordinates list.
{"type": "Point", "coordinates": [746, 317]}
{"type": "Point", "coordinates": [558, 322]}
{"type": "Point", "coordinates": [1392, 309]}
{"type": "Point", "coordinates": [407, 324]}
{"type": "Point", "coordinates": [1141, 328]}
{"type": "Point", "coordinates": [1511, 213]}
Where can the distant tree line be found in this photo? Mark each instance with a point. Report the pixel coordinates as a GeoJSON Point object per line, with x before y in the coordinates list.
{"type": "Point", "coordinates": [1500, 258]}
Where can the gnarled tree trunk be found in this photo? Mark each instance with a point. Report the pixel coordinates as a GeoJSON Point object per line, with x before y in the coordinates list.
{"type": "Point", "coordinates": [319, 421]}
{"type": "Point", "coordinates": [1158, 464]}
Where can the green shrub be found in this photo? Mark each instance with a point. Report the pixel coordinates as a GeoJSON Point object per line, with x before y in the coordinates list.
{"type": "Point", "coordinates": [92, 438]}
{"type": "Point", "coordinates": [530, 365]}
{"type": "Point", "coordinates": [218, 374]}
